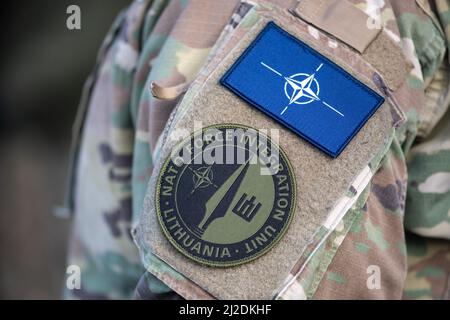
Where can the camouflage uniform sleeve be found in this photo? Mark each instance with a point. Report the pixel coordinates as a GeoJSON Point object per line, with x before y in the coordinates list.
{"type": "Point", "coordinates": [428, 162]}
{"type": "Point", "coordinates": [101, 243]}
{"type": "Point", "coordinates": [167, 42]}
{"type": "Point", "coordinates": [413, 183]}
{"type": "Point", "coordinates": [428, 200]}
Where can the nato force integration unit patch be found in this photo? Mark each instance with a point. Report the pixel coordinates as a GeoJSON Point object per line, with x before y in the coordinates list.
{"type": "Point", "coordinates": [300, 88]}
{"type": "Point", "coordinates": [226, 195]}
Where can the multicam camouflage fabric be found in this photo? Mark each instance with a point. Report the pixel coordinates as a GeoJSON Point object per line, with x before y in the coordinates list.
{"type": "Point", "coordinates": [169, 42]}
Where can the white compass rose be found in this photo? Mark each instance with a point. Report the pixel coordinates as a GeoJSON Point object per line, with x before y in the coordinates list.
{"type": "Point", "coordinates": [301, 88]}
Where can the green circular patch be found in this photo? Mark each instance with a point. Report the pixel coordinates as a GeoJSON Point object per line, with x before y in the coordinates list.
{"type": "Point", "coordinates": [226, 195]}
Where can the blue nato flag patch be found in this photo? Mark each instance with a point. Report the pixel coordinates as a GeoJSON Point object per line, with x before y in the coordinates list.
{"type": "Point", "coordinates": [301, 89]}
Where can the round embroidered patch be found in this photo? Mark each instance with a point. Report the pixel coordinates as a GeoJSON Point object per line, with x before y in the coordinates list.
{"type": "Point", "coordinates": [226, 195]}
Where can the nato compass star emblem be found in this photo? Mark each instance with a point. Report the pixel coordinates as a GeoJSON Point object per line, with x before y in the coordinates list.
{"type": "Point", "coordinates": [202, 177]}
{"type": "Point", "coordinates": [301, 88]}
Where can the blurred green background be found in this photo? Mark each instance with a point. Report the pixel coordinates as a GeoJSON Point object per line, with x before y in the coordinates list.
{"type": "Point", "coordinates": [43, 67]}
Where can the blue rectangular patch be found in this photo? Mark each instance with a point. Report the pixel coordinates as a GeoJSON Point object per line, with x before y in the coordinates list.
{"type": "Point", "coordinates": [300, 88]}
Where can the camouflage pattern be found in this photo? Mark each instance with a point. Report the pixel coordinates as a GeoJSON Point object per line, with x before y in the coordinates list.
{"type": "Point", "coordinates": [407, 185]}
{"type": "Point", "coordinates": [378, 238]}
{"type": "Point", "coordinates": [428, 265]}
